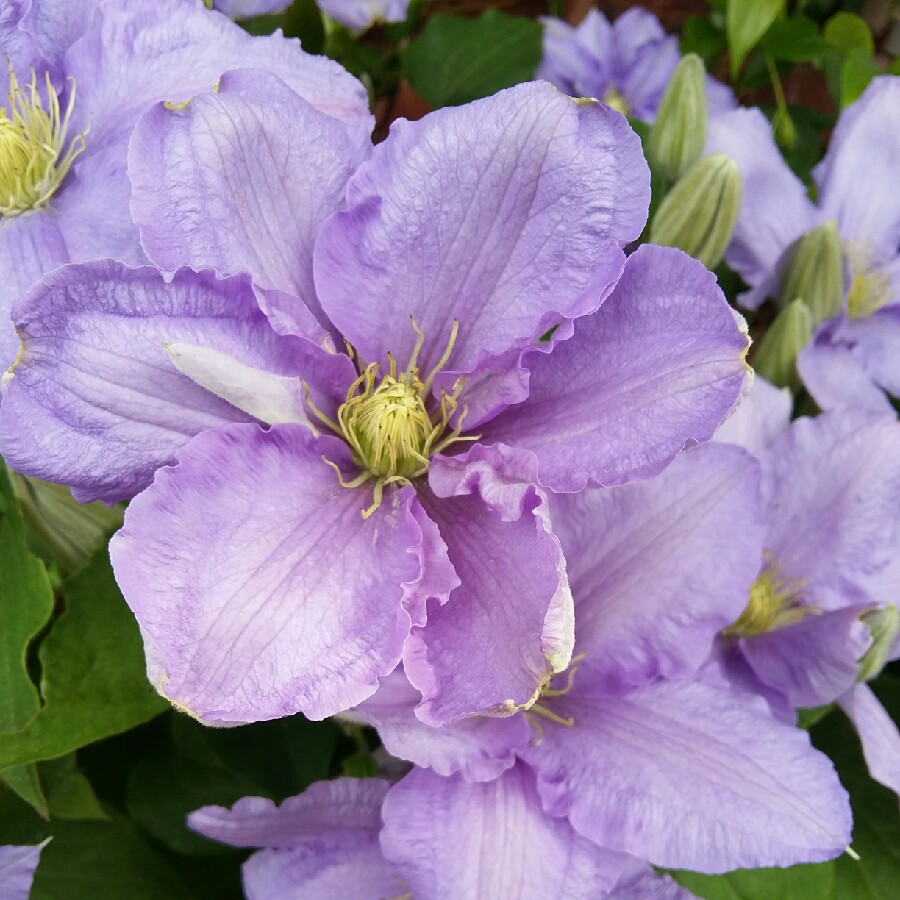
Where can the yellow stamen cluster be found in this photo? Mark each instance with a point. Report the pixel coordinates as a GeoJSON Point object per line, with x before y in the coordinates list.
{"type": "Point", "coordinates": [870, 288]}
{"type": "Point", "coordinates": [775, 602]}
{"type": "Point", "coordinates": [34, 156]}
{"type": "Point", "coordinates": [387, 422]}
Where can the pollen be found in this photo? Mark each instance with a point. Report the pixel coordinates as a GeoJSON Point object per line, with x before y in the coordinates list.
{"type": "Point", "coordinates": [392, 424]}
{"type": "Point", "coordinates": [870, 287]}
{"type": "Point", "coordinates": [35, 151]}
{"type": "Point", "coordinates": [775, 601]}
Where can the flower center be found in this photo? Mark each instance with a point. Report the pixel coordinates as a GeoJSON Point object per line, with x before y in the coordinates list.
{"type": "Point", "coordinates": [541, 707]}
{"type": "Point", "coordinates": [775, 601]}
{"type": "Point", "coordinates": [392, 425]}
{"type": "Point", "coordinates": [35, 154]}
{"type": "Point", "coordinates": [870, 288]}
{"type": "Point", "coordinates": [613, 98]}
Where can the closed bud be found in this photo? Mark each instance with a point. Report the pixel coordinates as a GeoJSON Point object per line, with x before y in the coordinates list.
{"type": "Point", "coordinates": [883, 625]}
{"type": "Point", "coordinates": [776, 356]}
{"type": "Point", "coordinates": [679, 129]}
{"type": "Point", "coordinates": [71, 531]}
{"type": "Point", "coordinates": [815, 273]}
{"type": "Point", "coordinates": [699, 214]}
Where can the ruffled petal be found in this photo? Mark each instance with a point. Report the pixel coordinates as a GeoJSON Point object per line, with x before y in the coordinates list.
{"type": "Point", "coordinates": [240, 181]}
{"type": "Point", "coordinates": [657, 367]}
{"type": "Point", "coordinates": [760, 418]}
{"type": "Point", "coordinates": [658, 568]}
{"type": "Point", "coordinates": [474, 841]}
{"type": "Point", "coordinates": [506, 214]}
{"type": "Point", "coordinates": [339, 865]}
{"type": "Point", "coordinates": [862, 160]}
{"type": "Point", "coordinates": [878, 735]}
{"type": "Point", "coordinates": [344, 803]}
{"type": "Point", "coordinates": [259, 588]}
{"type": "Point", "coordinates": [17, 866]}
{"type": "Point", "coordinates": [479, 748]}
{"type": "Point", "coordinates": [687, 776]}
{"type": "Point", "coordinates": [814, 661]}
{"type": "Point", "coordinates": [509, 625]}
{"type": "Point", "coordinates": [93, 401]}
{"type": "Point", "coordinates": [833, 486]}
{"type": "Point", "coordinates": [775, 210]}
{"type": "Point", "coordinates": [143, 53]}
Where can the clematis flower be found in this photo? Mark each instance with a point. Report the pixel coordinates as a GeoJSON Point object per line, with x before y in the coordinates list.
{"type": "Point", "coordinates": [361, 14]}
{"type": "Point", "coordinates": [627, 64]}
{"type": "Point", "coordinates": [17, 866]}
{"type": "Point", "coordinates": [832, 494]}
{"type": "Point", "coordinates": [413, 417]}
{"type": "Point", "coordinates": [633, 746]}
{"type": "Point", "coordinates": [78, 80]}
{"type": "Point", "coordinates": [852, 358]}
{"type": "Point", "coordinates": [329, 842]}
{"type": "Point", "coordinates": [242, 9]}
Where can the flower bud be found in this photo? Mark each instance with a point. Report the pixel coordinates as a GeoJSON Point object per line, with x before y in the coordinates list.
{"type": "Point", "coordinates": [776, 356]}
{"type": "Point", "coordinates": [679, 129]}
{"type": "Point", "coordinates": [699, 214]}
{"type": "Point", "coordinates": [71, 531]}
{"type": "Point", "coordinates": [883, 625]}
{"type": "Point", "coordinates": [815, 273]}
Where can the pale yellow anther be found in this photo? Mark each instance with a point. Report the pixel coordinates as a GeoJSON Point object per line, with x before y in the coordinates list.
{"type": "Point", "coordinates": [775, 602]}
{"type": "Point", "coordinates": [870, 287]}
{"type": "Point", "coordinates": [35, 152]}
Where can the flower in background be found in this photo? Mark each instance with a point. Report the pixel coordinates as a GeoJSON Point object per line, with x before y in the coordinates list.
{"type": "Point", "coordinates": [821, 617]}
{"type": "Point", "coordinates": [244, 9]}
{"type": "Point", "coordinates": [852, 360]}
{"type": "Point", "coordinates": [633, 745]}
{"type": "Point", "coordinates": [80, 75]}
{"type": "Point", "coordinates": [359, 14]}
{"type": "Point", "coordinates": [626, 64]}
{"type": "Point", "coordinates": [288, 567]}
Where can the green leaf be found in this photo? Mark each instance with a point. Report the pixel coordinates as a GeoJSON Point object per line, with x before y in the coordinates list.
{"type": "Point", "coordinates": [876, 821]}
{"type": "Point", "coordinates": [26, 784]}
{"type": "Point", "coordinates": [103, 861]}
{"type": "Point", "coordinates": [846, 31]}
{"type": "Point", "coordinates": [699, 35]}
{"type": "Point", "coordinates": [69, 794]}
{"type": "Point", "coordinates": [796, 883]}
{"type": "Point", "coordinates": [746, 21]}
{"type": "Point", "coordinates": [857, 70]}
{"type": "Point", "coordinates": [26, 602]}
{"type": "Point", "coordinates": [456, 60]}
{"type": "Point", "coordinates": [163, 790]}
{"type": "Point", "coordinates": [796, 39]}
{"type": "Point", "coordinates": [94, 682]}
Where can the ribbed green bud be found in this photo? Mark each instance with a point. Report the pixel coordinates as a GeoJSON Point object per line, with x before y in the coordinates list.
{"type": "Point", "coordinates": [776, 356]}
{"type": "Point", "coordinates": [699, 214]}
{"type": "Point", "coordinates": [679, 129]}
{"type": "Point", "coordinates": [71, 531]}
{"type": "Point", "coordinates": [815, 273]}
{"type": "Point", "coordinates": [883, 625]}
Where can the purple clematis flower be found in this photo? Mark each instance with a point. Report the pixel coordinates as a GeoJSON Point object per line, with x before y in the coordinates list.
{"type": "Point", "coordinates": [360, 14]}
{"type": "Point", "coordinates": [17, 866]}
{"type": "Point", "coordinates": [329, 842]}
{"type": "Point", "coordinates": [852, 360]}
{"type": "Point", "coordinates": [627, 64]}
{"type": "Point", "coordinates": [79, 80]}
{"type": "Point", "coordinates": [832, 493]}
{"type": "Point", "coordinates": [634, 747]}
{"type": "Point", "coordinates": [243, 9]}
{"type": "Point", "coordinates": [323, 511]}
